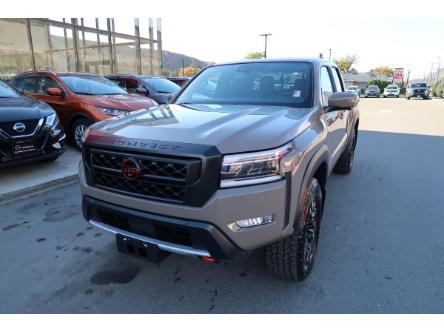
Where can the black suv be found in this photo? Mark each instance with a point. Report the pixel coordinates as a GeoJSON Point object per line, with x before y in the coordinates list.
{"type": "Point", "coordinates": [154, 87]}
{"type": "Point", "coordinates": [29, 129]}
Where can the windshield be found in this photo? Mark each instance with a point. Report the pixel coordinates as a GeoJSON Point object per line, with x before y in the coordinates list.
{"type": "Point", "coordinates": [255, 83]}
{"type": "Point", "coordinates": [392, 87]}
{"type": "Point", "coordinates": [352, 88]}
{"type": "Point", "coordinates": [419, 85]}
{"type": "Point", "coordinates": [373, 88]}
{"type": "Point", "coordinates": [6, 91]}
{"type": "Point", "coordinates": [91, 85]}
{"type": "Point", "coordinates": [160, 85]}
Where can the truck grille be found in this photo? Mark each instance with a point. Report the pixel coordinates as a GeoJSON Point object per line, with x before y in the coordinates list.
{"type": "Point", "coordinates": [158, 177]}
{"type": "Point", "coordinates": [30, 127]}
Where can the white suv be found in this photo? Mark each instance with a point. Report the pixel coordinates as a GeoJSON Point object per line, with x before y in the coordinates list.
{"type": "Point", "coordinates": [391, 90]}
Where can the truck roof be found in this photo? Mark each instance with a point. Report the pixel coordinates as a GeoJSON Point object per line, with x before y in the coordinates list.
{"type": "Point", "coordinates": [310, 60]}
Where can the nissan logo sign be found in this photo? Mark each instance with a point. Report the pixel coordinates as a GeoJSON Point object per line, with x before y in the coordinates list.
{"type": "Point", "coordinates": [19, 127]}
{"type": "Point", "coordinates": [130, 169]}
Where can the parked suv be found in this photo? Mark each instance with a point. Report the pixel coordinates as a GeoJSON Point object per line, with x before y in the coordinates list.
{"type": "Point", "coordinates": [372, 90]}
{"type": "Point", "coordinates": [221, 172]}
{"type": "Point", "coordinates": [417, 89]}
{"type": "Point", "coordinates": [391, 90]}
{"type": "Point", "coordinates": [29, 129]}
{"type": "Point", "coordinates": [79, 99]}
{"type": "Point", "coordinates": [154, 87]}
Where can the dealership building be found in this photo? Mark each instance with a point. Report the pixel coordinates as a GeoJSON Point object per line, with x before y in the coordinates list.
{"type": "Point", "coordinates": [102, 46]}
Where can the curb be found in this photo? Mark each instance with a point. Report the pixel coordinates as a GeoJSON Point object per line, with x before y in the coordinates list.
{"type": "Point", "coordinates": [38, 189]}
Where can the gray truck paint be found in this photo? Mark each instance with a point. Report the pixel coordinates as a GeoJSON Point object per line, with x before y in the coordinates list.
{"type": "Point", "coordinates": [319, 133]}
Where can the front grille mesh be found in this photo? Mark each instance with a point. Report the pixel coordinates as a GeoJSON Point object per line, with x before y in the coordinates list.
{"type": "Point", "coordinates": [30, 127]}
{"type": "Point", "coordinates": [163, 178]}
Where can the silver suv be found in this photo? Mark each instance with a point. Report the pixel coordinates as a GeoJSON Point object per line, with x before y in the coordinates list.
{"type": "Point", "coordinates": [238, 161]}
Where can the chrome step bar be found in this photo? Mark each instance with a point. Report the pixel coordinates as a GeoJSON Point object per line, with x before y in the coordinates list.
{"type": "Point", "coordinates": [165, 246]}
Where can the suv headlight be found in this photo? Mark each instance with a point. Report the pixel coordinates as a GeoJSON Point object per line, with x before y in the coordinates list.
{"type": "Point", "coordinates": [253, 168]}
{"type": "Point", "coordinates": [52, 120]}
{"type": "Point", "coordinates": [113, 112]}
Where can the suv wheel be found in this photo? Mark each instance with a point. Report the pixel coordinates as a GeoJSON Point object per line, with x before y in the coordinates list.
{"type": "Point", "coordinates": [292, 258]}
{"type": "Point", "coordinates": [345, 163]}
{"type": "Point", "coordinates": [78, 129]}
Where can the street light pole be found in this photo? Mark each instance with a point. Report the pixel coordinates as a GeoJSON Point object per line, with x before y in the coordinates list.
{"type": "Point", "coordinates": [266, 37]}
{"type": "Point", "coordinates": [329, 54]}
{"type": "Point", "coordinates": [439, 65]}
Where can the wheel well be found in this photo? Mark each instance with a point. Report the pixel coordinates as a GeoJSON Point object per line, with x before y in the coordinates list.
{"type": "Point", "coordinates": [321, 177]}
{"type": "Point", "coordinates": [74, 119]}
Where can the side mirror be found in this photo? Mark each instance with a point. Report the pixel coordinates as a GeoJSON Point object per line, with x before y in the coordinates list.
{"type": "Point", "coordinates": [54, 92]}
{"type": "Point", "coordinates": [343, 100]}
{"type": "Point", "coordinates": [142, 91]}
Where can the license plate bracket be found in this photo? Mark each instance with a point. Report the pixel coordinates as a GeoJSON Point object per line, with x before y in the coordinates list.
{"type": "Point", "coordinates": [139, 249]}
{"type": "Point", "coordinates": [23, 147]}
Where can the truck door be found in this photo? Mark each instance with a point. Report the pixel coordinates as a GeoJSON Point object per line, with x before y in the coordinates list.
{"type": "Point", "coordinates": [336, 119]}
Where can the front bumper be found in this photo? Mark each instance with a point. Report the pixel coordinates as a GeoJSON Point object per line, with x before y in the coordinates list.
{"type": "Point", "coordinates": [47, 147]}
{"type": "Point", "coordinates": [219, 212]}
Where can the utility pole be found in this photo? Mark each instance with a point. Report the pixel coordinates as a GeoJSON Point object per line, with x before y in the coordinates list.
{"type": "Point", "coordinates": [431, 72]}
{"type": "Point", "coordinates": [329, 54]}
{"type": "Point", "coordinates": [266, 37]}
{"type": "Point", "coordinates": [439, 65]}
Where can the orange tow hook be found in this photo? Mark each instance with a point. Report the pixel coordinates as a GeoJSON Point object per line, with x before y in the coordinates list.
{"type": "Point", "coordinates": [209, 260]}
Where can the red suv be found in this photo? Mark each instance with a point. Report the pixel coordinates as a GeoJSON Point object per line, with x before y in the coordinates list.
{"type": "Point", "coordinates": [79, 99]}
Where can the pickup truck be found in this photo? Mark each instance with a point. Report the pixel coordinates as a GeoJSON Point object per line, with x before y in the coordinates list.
{"type": "Point", "coordinates": [238, 161]}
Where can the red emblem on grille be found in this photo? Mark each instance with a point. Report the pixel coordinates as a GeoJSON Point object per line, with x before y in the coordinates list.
{"type": "Point", "coordinates": [130, 169]}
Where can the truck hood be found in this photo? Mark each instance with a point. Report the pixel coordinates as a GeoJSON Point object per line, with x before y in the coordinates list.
{"type": "Point", "coordinates": [122, 102]}
{"type": "Point", "coordinates": [23, 108]}
{"type": "Point", "coordinates": [230, 128]}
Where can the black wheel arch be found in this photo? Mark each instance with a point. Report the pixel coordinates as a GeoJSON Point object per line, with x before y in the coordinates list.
{"type": "Point", "coordinates": [318, 168]}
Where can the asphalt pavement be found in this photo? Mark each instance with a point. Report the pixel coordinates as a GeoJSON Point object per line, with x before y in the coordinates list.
{"type": "Point", "coordinates": [381, 245]}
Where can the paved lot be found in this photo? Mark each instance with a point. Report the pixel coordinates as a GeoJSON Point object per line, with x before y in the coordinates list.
{"type": "Point", "coordinates": [21, 180]}
{"type": "Point", "coordinates": [381, 248]}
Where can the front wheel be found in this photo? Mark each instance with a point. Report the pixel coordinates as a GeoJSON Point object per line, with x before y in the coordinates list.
{"type": "Point", "coordinates": [78, 129]}
{"type": "Point", "coordinates": [292, 258]}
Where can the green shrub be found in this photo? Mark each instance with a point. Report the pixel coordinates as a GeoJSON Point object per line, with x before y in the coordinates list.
{"type": "Point", "coordinates": [380, 83]}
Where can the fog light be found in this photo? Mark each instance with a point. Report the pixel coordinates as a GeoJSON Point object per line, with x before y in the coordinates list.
{"type": "Point", "coordinates": [254, 222]}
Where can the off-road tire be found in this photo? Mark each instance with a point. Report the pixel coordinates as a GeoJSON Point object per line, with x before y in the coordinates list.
{"type": "Point", "coordinates": [286, 258]}
{"type": "Point", "coordinates": [345, 163]}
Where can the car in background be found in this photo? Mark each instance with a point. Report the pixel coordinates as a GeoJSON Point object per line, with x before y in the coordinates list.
{"type": "Point", "coordinates": [354, 89]}
{"type": "Point", "coordinates": [372, 91]}
{"type": "Point", "coordinates": [79, 99]}
{"type": "Point", "coordinates": [417, 89]}
{"type": "Point", "coordinates": [180, 80]}
{"type": "Point", "coordinates": [157, 88]}
{"type": "Point", "coordinates": [29, 129]}
{"type": "Point", "coordinates": [392, 90]}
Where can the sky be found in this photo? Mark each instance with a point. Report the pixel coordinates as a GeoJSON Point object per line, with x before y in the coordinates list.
{"type": "Point", "coordinates": [408, 34]}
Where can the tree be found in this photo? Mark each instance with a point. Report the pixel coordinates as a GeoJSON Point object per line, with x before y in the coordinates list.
{"type": "Point", "coordinates": [255, 55]}
{"type": "Point", "coordinates": [345, 63]}
{"type": "Point", "coordinates": [384, 70]}
{"type": "Point", "coordinates": [188, 71]}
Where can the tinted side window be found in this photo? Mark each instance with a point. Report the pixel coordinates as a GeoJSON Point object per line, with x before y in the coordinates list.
{"type": "Point", "coordinates": [45, 82]}
{"type": "Point", "coordinates": [337, 79]}
{"type": "Point", "coordinates": [326, 85]}
{"type": "Point", "coordinates": [26, 84]}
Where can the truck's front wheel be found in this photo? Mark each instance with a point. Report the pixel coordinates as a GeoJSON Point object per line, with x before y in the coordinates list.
{"type": "Point", "coordinates": [292, 258]}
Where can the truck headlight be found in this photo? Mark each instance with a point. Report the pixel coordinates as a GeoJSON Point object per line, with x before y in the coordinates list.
{"type": "Point", "coordinates": [253, 168]}
{"type": "Point", "coordinates": [113, 112]}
